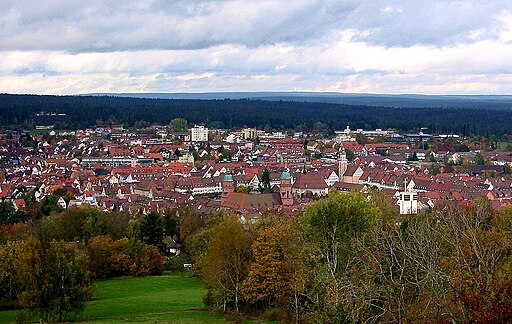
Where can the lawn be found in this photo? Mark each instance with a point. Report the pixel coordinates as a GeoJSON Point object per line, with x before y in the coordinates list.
{"type": "Point", "coordinates": [171, 298]}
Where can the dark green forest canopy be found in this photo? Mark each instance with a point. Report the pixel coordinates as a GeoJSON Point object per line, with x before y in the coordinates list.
{"type": "Point", "coordinates": [85, 111]}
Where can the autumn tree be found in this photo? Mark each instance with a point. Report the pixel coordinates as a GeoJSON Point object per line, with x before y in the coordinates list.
{"type": "Point", "coordinates": [478, 266]}
{"type": "Point", "coordinates": [276, 277]}
{"type": "Point", "coordinates": [52, 281]}
{"type": "Point", "coordinates": [101, 254]}
{"type": "Point", "coordinates": [189, 224]}
{"type": "Point", "coordinates": [225, 265]}
{"type": "Point", "coordinates": [242, 189]}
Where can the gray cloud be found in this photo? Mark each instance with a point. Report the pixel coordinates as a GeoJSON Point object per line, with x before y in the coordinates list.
{"type": "Point", "coordinates": [131, 25]}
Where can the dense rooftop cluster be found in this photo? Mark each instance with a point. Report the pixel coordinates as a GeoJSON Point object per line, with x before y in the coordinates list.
{"type": "Point", "coordinates": [246, 171]}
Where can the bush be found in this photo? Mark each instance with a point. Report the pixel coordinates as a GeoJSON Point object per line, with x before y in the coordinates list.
{"type": "Point", "coordinates": [175, 263]}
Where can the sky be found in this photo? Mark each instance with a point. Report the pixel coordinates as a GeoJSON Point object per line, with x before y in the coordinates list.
{"type": "Point", "coordinates": [349, 46]}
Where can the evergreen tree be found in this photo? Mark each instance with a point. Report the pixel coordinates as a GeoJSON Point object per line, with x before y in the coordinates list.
{"type": "Point", "coordinates": [152, 230]}
{"type": "Point", "coordinates": [265, 179]}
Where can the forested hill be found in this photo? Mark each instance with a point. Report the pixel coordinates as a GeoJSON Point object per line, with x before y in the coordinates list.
{"type": "Point", "coordinates": [366, 99]}
{"type": "Point", "coordinates": [85, 111]}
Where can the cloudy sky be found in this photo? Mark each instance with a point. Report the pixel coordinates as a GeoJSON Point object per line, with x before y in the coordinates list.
{"type": "Point", "coordinates": [370, 46]}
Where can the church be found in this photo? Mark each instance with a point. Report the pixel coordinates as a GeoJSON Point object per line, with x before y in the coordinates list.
{"type": "Point", "coordinates": [255, 203]}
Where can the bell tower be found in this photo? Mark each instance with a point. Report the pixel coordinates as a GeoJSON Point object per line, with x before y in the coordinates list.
{"type": "Point", "coordinates": [285, 189]}
{"type": "Point", "coordinates": [342, 164]}
{"type": "Point", "coordinates": [228, 186]}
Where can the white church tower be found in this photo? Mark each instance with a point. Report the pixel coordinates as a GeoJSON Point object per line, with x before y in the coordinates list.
{"type": "Point", "coordinates": [408, 201]}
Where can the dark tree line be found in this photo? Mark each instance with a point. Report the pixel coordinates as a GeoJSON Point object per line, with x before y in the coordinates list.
{"type": "Point", "coordinates": [86, 111]}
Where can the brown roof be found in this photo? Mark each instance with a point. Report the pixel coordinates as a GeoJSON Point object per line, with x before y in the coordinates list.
{"type": "Point", "coordinates": [239, 201]}
{"type": "Point", "coordinates": [310, 180]}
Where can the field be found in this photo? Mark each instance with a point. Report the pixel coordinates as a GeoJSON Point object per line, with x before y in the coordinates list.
{"type": "Point", "coordinates": [171, 298]}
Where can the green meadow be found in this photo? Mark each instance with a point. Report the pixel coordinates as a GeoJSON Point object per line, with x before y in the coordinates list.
{"type": "Point", "coordinates": [170, 298]}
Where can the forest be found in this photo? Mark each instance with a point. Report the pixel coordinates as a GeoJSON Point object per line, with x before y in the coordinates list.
{"type": "Point", "coordinates": [87, 111]}
{"type": "Point", "coordinates": [347, 258]}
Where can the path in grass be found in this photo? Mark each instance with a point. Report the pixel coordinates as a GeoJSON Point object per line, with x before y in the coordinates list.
{"type": "Point", "coordinates": [172, 298]}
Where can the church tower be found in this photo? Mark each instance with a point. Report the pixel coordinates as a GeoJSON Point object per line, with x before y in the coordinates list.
{"type": "Point", "coordinates": [285, 189]}
{"type": "Point", "coordinates": [342, 164]}
{"type": "Point", "coordinates": [228, 186]}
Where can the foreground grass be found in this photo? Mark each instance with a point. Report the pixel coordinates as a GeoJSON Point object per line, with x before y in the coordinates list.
{"type": "Point", "coordinates": [171, 298]}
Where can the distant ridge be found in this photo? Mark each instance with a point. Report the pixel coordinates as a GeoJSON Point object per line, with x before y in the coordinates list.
{"type": "Point", "coordinates": [387, 100]}
{"type": "Point", "coordinates": [470, 117]}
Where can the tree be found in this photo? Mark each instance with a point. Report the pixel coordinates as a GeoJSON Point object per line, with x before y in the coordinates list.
{"type": "Point", "coordinates": [479, 159]}
{"type": "Point", "coordinates": [8, 215]}
{"type": "Point", "coordinates": [276, 277]}
{"type": "Point", "coordinates": [242, 189]}
{"type": "Point", "coordinates": [170, 224]}
{"type": "Point", "coordinates": [73, 224]}
{"type": "Point", "coordinates": [329, 225]}
{"type": "Point", "coordinates": [265, 180]}
{"type": "Point", "coordinates": [152, 230]}
{"type": "Point", "coordinates": [101, 251]}
{"type": "Point", "coordinates": [225, 265]}
{"type": "Point", "coordinates": [189, 223]}
{"type": "Point", "coordinates": [268, 279]}
{"type": "Point", "coordinates": [178, 125]}
{"type": "Point", "coordinates": [477, 269]}
{"type": "Point", "coordinates": [54, 281]}
{"type": "Point", "coordinates": [350, 155]}
{"type": "Point", "coordinates": [47, 206]}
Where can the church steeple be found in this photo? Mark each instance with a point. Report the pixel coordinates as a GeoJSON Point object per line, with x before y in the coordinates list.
{"type": "Point", "coordinates": [342, 164]}
{"type": "Point", "coordinates": [228, 185]}
{"type": "Point", "coordinates": [285, 188]}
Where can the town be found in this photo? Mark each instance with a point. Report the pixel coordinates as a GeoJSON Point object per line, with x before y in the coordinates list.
{"type": "Point", "coordinates": [246, 171]}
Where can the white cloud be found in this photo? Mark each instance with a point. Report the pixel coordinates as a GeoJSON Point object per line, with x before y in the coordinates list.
{"type": "Point", "coordinates": [438, 46]}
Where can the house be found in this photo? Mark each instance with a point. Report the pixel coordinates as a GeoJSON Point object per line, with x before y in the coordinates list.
{"type": "Point", "coordinates": [352, 174]}
{"type": "Point", "coordinates": [310, 182]}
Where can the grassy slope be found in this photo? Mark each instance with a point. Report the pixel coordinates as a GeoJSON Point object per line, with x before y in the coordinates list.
{"type": "Point", "coordinates": [163, 299]}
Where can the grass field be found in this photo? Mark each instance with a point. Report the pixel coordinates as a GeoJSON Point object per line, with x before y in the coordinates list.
{"type": "Point", "coordinates": [171, 298]}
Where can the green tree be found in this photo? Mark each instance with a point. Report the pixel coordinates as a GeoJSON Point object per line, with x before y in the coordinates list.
{"type": "Point", "coordinates": [8, 215]}
{"type": "Point", "coordinates": [170, 224]}
{"type": "Point", "coordinates": [178, 125]}
{"type": "Point", "coordinates": [329, 225]}
{"type": "Point", "coordinates": [152, 230]}
{"type": "Point", "coordinates": [479, 159]}
{"type": "Point", "coordinates": [265, 180]}
{"type": "Point", "coordinates": [47, 206]}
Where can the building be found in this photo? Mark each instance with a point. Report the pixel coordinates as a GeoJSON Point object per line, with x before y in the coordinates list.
{"type": "Point", "coordinates": [199, 133]}
{"type": "Point", "coordinates": [250, 133]}
{"type": "Point", "coordinates": [286, 189]}
{"type": "Point", "coordinates": [408, 201]}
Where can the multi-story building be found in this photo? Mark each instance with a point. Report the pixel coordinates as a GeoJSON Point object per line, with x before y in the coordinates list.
{"type": "Point", "coordinates": [199, 133]}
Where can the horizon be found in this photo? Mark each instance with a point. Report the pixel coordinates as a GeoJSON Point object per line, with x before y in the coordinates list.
{"type": "Point", "coordinates": [313, 93]}
{"type": "Point", "coordinates": [443, 47]}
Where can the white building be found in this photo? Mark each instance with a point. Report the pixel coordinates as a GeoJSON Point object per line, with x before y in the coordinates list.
{"type": "Point", "coordinates": [199, 133]}
{"type": "Point", "coordinates": [408, 202]}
